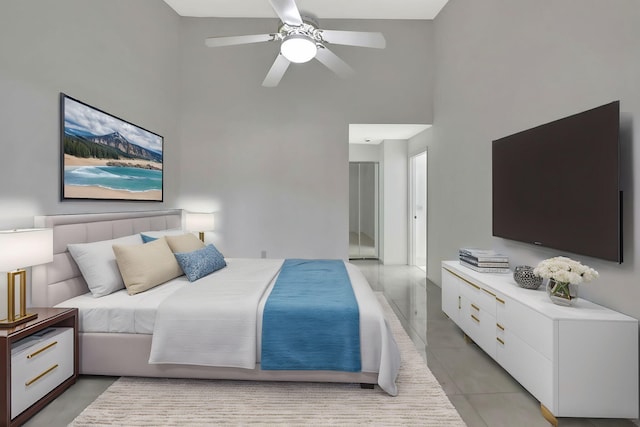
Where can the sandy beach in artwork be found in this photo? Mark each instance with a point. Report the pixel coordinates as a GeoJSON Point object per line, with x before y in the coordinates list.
{"type": "Point", "coordinates": [93, 192]}
{"type": "Point", "coordinates": [139, 182]}
{"type": "Point", "coordinates": [90, 161]}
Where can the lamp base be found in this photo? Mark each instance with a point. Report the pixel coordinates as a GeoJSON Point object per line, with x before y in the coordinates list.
{"type": "Point", "coordinates": [5, 323]}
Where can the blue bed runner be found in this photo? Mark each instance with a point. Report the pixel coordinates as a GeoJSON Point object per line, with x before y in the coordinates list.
{"type": "Point", "coordinates": [311, 319]}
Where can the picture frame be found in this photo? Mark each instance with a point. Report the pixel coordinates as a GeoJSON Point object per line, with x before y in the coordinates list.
{"type": "Point", "coordinates": [104, 157]}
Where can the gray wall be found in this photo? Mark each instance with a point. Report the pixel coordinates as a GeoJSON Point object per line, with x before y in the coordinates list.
{"type": "Point", "coordinates": [117, 55]}
{"type": "Point", "coordinates": [503, 67]}
{"type": "Point", "coordinates": [273, 162]}
{"type": "Point", "coordinates": [395, 201]}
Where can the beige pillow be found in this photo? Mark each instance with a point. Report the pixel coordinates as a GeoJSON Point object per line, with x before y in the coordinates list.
{"type": "Point", "coordinates": [147, 265]}
{"type": "Point", "coordinates": [184, 243]}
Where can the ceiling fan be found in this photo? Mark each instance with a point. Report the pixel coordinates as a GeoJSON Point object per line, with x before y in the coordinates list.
{"type": "Point", "coordinates": [301, 40]}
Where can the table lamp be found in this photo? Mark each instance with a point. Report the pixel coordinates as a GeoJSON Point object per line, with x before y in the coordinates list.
{"type": "Point", "coordinates": [200, 222]}
{"type": "Point", "coordinates": [20, 249]}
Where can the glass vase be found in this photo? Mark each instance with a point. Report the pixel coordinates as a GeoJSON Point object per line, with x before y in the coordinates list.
{"type": "Point", "coordinates": [562, 293]}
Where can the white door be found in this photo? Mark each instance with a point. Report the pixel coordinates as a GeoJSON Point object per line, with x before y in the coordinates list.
{"type": "Point", "coordinates": [418, 211]}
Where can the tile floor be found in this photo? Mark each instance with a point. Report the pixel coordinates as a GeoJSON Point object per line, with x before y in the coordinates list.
{"type": "Point", "coordinates": [483, 393]}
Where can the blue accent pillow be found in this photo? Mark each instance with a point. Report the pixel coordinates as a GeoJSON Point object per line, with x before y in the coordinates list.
{"type": "Point", "coordinates": [200, 262]}
{"type": "Point", "coordinates": [147, 239]}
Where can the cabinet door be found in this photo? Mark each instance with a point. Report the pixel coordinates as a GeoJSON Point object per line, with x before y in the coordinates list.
{"type": "Point", "coordinates": [450, 296]}
{"type": "Point", "coordinates": [529, 325]}
{"type": "Point", "coordinates": [479, 324]}
{"type": "Point", "coordinates": [527, 366]}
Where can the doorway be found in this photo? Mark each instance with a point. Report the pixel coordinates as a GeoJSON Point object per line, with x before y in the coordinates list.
{"type": "Point", "coordinates": [363, 210]}
{"type": "Point", "coordinates": [418, 211]}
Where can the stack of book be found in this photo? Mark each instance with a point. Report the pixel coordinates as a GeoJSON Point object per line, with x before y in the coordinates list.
{"type": "Point", "coordinates": [484, 260]}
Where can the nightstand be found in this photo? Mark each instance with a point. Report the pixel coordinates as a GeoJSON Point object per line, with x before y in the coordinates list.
{"type": "Point", "coordinates": [38, 362]}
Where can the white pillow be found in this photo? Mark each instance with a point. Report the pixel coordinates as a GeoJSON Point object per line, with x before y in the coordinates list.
{"type": "Point", "coordinates": [97, 263]}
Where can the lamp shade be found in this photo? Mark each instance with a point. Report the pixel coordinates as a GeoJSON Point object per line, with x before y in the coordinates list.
{"type": "Point", "coordinates": [196, 221]}
{"type": "Point", "coordinates": [25, 248]}
{"type": "Point", "coordinates": [298, 48]}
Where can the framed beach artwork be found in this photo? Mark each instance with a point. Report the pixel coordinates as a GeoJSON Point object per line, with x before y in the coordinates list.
{"type": "Point", "coordinates": [107, 158]}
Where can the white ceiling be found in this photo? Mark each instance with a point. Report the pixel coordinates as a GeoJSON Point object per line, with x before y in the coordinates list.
{"type": "Point", "coordinates": [338, 9]}
{"type": "Point", "coordinates": [376, 133]}
{"type": "Point", "coordinates": [330, 9]}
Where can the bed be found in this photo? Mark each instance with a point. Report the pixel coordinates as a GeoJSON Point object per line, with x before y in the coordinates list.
{"type": "Point", "coordinates": [116, 331]}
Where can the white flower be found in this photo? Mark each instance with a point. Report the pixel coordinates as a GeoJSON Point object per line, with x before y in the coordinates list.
{"type": "Point", "coordinates": [566, 270]}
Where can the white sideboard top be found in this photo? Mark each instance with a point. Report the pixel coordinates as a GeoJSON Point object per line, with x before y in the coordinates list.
{"type": "Point", "coordinates": [537, 299]}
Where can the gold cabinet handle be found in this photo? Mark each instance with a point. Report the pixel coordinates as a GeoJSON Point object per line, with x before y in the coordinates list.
{"type": "Point", "coordinates": [475, 307]}
{"type": "Point", "coordinates": [489, 292]}
{"type": "Point", "coordinates": [463, 279]}
{"type": "Point", "coordinates": [500, 326]}
{"type": "Point", "coordinates": [37, 352]}
{"type": "Point", "coordinates": [501, 301]}
{"type": "Point", "coordinates": [499, 340]}
{"type": "Point", "coordinates": [28, 383]}
{"type": "Point", "coordinates": [472, 284]}
{"type": "Point", "coordinates": [475, 318]}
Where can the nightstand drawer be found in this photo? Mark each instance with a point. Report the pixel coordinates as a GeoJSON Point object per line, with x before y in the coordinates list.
{"type": "Point", "coordinates": [38, 365]}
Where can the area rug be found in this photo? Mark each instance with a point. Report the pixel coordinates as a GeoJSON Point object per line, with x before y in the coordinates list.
{"type": "Point", "coordinates": [174, 402]}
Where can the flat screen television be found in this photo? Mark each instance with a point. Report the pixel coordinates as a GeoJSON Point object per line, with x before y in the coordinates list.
{"type": "Point", "coordinates": [557, 185]}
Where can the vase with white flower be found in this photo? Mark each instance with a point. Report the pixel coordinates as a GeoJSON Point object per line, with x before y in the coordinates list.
{"type": "Point", "coordinates": [564, 275]}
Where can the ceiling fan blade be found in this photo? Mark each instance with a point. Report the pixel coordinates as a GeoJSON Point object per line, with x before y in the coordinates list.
{"type": "Point", "coordinates": [287, 12]}
{"type": "Point", "coordinates": [333, 62]}
{"type": "Point", "coordinates": [276, 72]}
{"type": "Point", "coordinates": [355, 38]}
{"type": "Point", "coordinates": [235, 40]}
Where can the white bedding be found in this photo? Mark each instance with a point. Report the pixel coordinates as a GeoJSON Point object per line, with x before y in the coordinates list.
{"type": "Point", "coordinates": [123, 313]}
{"type": "Point", "coordinates": [120, 312]}
{"type": "Point", "coordinates": [213, 321]}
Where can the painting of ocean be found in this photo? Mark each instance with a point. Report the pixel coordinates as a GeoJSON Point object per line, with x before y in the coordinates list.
{"type": "Point", "coordinates": [105, 157]}
{"type": "Point", "coordinates": [114, 178]}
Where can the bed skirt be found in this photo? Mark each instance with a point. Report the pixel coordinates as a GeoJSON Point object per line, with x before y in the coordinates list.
{"type": "Point", "coordinates": [127, 355]}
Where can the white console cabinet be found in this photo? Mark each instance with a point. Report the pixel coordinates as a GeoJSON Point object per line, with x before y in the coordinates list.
{"type": "Point", "coordinates": [579, 361]}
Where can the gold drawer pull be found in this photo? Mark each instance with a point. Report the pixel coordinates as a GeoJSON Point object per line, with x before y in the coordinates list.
{"type": "Point", "coordinates": [28, 383]}
{"type": "Point", "coordinates": [500, 326]}
{"type": "Point", "coordinates": [475, 318]}
{"type": "Point", "coordinates": [47, 347]}
{"type": "Point", "coordinates": [475, 307]}
{"type": "Point", "coordinates": [501, 301]}
{"type": "Point", "coordinates": [463, 279]}
{"type": "Point", "coordinates": [500, 341]}
{"type": "Point", "coordinates": [473, 284]}
{"type": "Point", "coordinates": [489, 292]}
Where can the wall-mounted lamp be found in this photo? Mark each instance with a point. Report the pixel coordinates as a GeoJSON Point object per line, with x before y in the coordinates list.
{"type": "Point", "coordinates": [200, 222]}
{"type": "Point", "coordinates": [20, 249]}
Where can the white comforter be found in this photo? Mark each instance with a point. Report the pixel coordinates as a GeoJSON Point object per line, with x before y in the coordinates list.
{"type": "Point", "coordinates": [216, 321]}
{"type": "Point", "coordinates": [212, 322]}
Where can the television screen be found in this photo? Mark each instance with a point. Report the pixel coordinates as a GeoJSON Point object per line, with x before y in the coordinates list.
{"type": "Point", "coordinates": [556, 185]}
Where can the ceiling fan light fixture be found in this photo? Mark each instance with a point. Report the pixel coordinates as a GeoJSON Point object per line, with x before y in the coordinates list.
{"type": "Point", "coordinates": [298, 48]}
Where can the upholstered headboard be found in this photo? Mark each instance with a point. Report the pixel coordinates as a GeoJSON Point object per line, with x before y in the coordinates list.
{"type": "Point", "coordinates": [61, 279]}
